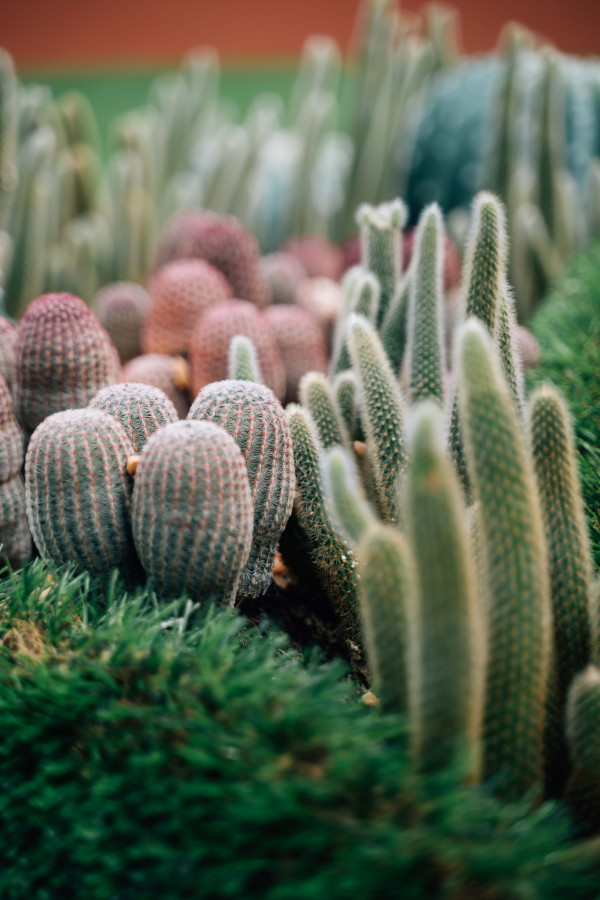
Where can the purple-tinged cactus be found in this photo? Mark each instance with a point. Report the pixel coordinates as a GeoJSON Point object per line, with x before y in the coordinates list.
{"type": "Point", "coordinates": [8, 340]}
{"type": "Point", "coordinates": [192, 512]}
{"type": "Point", "coordinates": [11, 436]}
{"type": "Point", "coordinates": [63, 358]}
{"type": "Point", "coordinates": [140, 408]}
{"type": "Point", "coordinates": [212, 336]}
{"type": "Point", "coordinates": [181, 292]}
{"type": "Point", "coordinates": [320, 257]}
{"type": "Point", "coordinates": [162, 371]}
{"type": "Point", "coordinates": [255, 419]}
{"type": "Point", "coordinates": [283, 273]}
{"type": "Point", "coordinates": [301, 342]}
{"type": "Point", "coordinates": [122, 308]}
{"type": "Point", "coordinates": [15, 538]}
{"type": "Point", "coordinates": [79, 493]}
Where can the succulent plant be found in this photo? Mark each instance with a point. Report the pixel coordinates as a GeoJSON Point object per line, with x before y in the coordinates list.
{"type": "Point", "coordinates": [63, 358]}
{"type": "Point", "coordinates": [169, 373]}
{"type": "Point", "coordinates": [181, 292]}
{"type": "Point", "coordinates": [242, 360]}
{"type": "Point", "coordinates": [319, 256]}
{"type": "Point", "coordinates": [255, 419]}
{"type": "Point", "coordinates": [212, 335]}
{"type": "Point", "coordinates": [79, 492]}
{"type": "Point", "coordinates": [15, 537]}
{"type": "Point", "coordinates": [192, 512]}
{"type": "Point", "coordinates": [140, 408]}
{"type": "Point", "coordinates": [11, 436]}
{"type": "Point", "coordinates": [8, 339]}
{"type": "Point", "coordinates": [317, 397]}
{"type": "Point", "coordinates": [583, 732]}
{"type": "Point", "coordinates": [301, 343]}
{"type": "Point", "coordinates": [122, 308]}
{"type": "Point", "coordinates": [283, 272]}
{"type": "Point", "coordinates": [380, 239]}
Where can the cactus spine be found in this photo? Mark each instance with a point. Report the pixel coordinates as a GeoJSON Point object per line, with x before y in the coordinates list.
{"type": "Point", "coordinates": [242, 360]}
{"type": "Point", "coordinates": [254, 418]}
{"type": "Point", "coordinates": [139, 408]}
{"type": "Point", "coordinates": [512, 539]}
{"type": "Point", "coordinates": [192, 511]}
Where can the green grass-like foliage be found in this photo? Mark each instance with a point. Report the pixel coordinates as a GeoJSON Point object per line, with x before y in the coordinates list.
{"type": "Point", "coordinates": [175, 752]}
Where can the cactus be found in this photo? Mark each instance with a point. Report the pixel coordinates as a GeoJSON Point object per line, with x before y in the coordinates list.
{"type": "Point", "coordinates": [8, 135]}
{"type": "Point", "coordinates": [181, 292]}
{"type": "Point", "coordinates": [425, 348]}
{"type": "Point", "coordinates": [381, 413]}
{"type": "Point", "coordinates": [506, 339]}
{"type": "Point", "coordinates": [79, 493]}
{"type": "Point", "coordinates": [140, 408]}
{"type": "Point", "coordinates": [351, 511]}
{"type": "Point", "coordinates": [444, 625]}
{"type": "Point", "coordinates": [566, 534]}
{"type": "Point", "coordinates": [362, 292]}
{"type": "Point", "coordinates": [283, 272]}
{"type": "Point", "coordinates": [380, 239]}
{"type": "Point", "coordinates": [344, 390]}
{"type": "Point", "coordinates": [332, 556]}
{"type": "Point", "coordinates": [63, 358]}
{"type": "Point", "coordinates": [394, 328]}
{"type": "Point", "coordinates": [583, 733]}
{"type": "Point", "coordinates": [223, 242]}
{"type": "Point", "coordinates": [317, 397]}
{"type": "Point", "coordinates": [319, 256]}
{"type": "Point", "coordinates": [211, 338]}
{"type": "Point", "coordinates": [254, 418]}
{"type": "Point", "coordinates": [122, 308]}
{"type": "Point", "coordinates": [168, 373]}
{"type": "Point", "coordinates": [513, 547]}
{"type": "Point", "coordinates": [301, 342]}
{"type": "Point", "coordinates": [242, 360]}
{"type": "Point", "coordinates": [192, 512]}
{"type": "Point", "coordinates": [11, 436]}
{"type": "Point", "coordinates": [15, 538]}
{"type": "Point", "coordinates": [8, 340]}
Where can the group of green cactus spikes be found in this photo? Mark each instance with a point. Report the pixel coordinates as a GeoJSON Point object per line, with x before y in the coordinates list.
{"type": "Point", "coordinates": [445, 519]}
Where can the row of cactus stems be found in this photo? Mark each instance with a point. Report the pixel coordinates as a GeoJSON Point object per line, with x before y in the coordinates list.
{"type": "Point", "coordinates": [477, 607]}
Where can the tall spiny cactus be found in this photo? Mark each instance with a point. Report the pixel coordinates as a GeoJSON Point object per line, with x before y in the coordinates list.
{"type": "Point", "coordinates": [15, 539]}
{"type": "Point", "coordinates": [254, 418]}
{"type": "Point", "coordinates": [332, 556]}
{"type": "Point", "coordinates": [483, 277]}
{"type": "Point", "coordinates": [79, 493]}
{"type": "Point", "coordinates": [381, 413]}
{"type": "Point", "coordinates": [425, 350]}
{"type": "Point", "coordinates": [140, 408]}
{"type": "Point", "coordinates": [242, 360]}
{"type": "Point", "coordinates": [394, 328]}
{"type": "Point", "coordinates": [361, 294]}
{"type": "Point", "coordinates": [583, 733]}
{"type": "Point", "coordinates": [344, 390]}
{"type": "Point", "coordinates": [512, 539]}
{"type": "Point", "coordinates": [317, 397]}
{"type": "Point", "coordinates": [380, 239]}
{"type": "Point", "coordinates": [512, 366]}
{"type": "Point", "coordinates": [192, 511]}
{"type": "Point", "coordinates": [445, 633]}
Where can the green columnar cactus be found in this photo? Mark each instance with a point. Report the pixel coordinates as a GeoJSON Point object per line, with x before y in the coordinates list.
{"type": "Point", "coordinates": [79, 493]}
{"type": "Point", "coordinates": [566, 532]}
{"type": "Point", "coordinates": [211, 338]}
{"type": "Point", "coordinates": [317, 397]}
{"type": "Point", "coordinates": [387, 592]}
{"type": "Point", "coordinates": [394, 328]}
{"type": "Point", "coordinates": [513, 546]}
{"type": "Point", "coordinates": [122, 308]}
{"type": "Point", "coordinates": [381, 413]}
{"type": "Point", "coordinates": [344, 390]}
{"type": "Point", "coordinates": [242, 360]}
{"type": "Point", "coordinates": [484, 272]}
{"type": "Point", "coordinates": [8, 135]}
{"type": "Point", "coordinates": [350, 509]}
{"type": "Point", "coordinates": [223, 242]}
{"type": "Point", "coordinates": [506, 323]}
{"type": "Point", "coordinates": [363, 292]}
{"type": "Point", "coordinates": [583, 733]}
{"type": "Point", "coordinates": [168, 373]}
{"type": "Point", "coordinates": [254, 418]}
{"type": "Point", "coordinates": [380, 239]}
{"type": "Point", "coordinates": [181, 292]}
{"type": "Point", "coordinates": [332, 556]}
{"type": "Point", "coordinates": [15, 537]}
{"type": "Point", "coordinates": [445, 630]}
{"type": "Point", "coordinates": [551, 160]}
{"type": "Point", "coordinates": [63, 358]}
{"type": "Point", "coordinates": [11, 436]}
{"type": "Point", "coordinates": [140, 408]}
{"type": "Point", "coordinates": [301, 342]}
{"type": "Point", "coordinates": [425, 348]}
{"type": "Point", "coordinates": [192, 511]}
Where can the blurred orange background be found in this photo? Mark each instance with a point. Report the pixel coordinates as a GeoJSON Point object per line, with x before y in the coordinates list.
{"type": "Point", "coordinates": [72, 33]}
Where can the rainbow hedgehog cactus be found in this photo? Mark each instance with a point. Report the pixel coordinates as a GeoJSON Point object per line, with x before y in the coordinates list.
{"type": "Point", "coordinates": [170, 374]}
{"type": "Point", "coordinates": [122, 308]}
{"type": "Point", "coordinates": [140, 408]}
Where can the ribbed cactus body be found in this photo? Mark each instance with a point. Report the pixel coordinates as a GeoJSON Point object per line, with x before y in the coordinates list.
{"type": "Point", "coordinates": [569, 553]}
{"type": "Point", "coordinates": [211, 338]}
{"type": "Point", "coordinates": [445, 629]}
{"type": "Point", "coordinates": [317, 397]}
{"type": "Point", "coordinates": [181, 292]}
{"type": "Point", "coordinates": [381, 413]}
{"type": "Point", "coordinates": [161, 371]}
{"type": "Point", "coordinates": [301, 342]}
{"type": "Point", "coordinates": [8, 340]}
{"type": "Point", "coordinates": [223, 242]}
{"type": "Point", "coordinates": [426, 363]}
{"type": "Point", "coordinates": [255, 419]}
{"type": "Point", "coordinates": [15, 536]}
{"type": "Point", "coordinates": [11, 436]}
{"type": "Point", "coordinates": [122, 308]}
{"type": "Point", "coordinates": [63, 358]}
{"type": "Point", "coordinates": [242, 360]}
{"type": "Point", "coordinates": [332, 556]}
{"type": "Point", "coordinates": [283, 272]}
{"type": "Point", "coordinates": [79, 492]}
{"type": "Point", "coordinates": [512, 540]}
{"type": "Point", "coordinates": [583, 734]}
{"type": "Point", "coordinates": [380, 239]}
{"type": "Point", "coordinates": [140, 408]}
{"type": "Point", "coordinates": [192, 511]}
